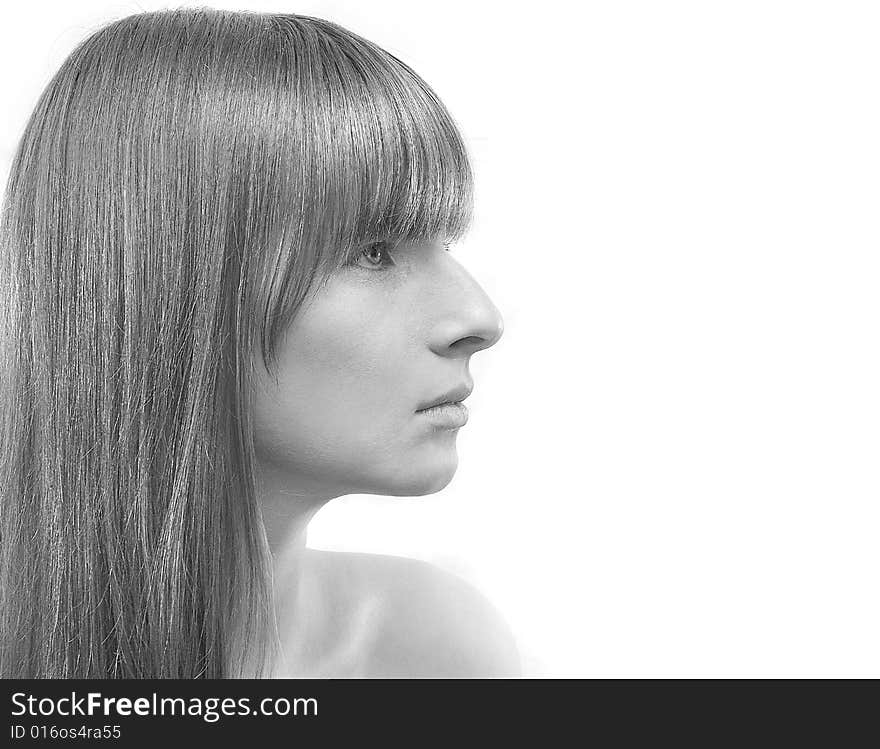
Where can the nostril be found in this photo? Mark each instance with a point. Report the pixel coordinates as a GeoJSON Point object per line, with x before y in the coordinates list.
{"type": "Point", "coordinates": [470, 343]}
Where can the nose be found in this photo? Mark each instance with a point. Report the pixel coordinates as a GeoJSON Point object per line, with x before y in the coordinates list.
{"type": "Point", "coordinates": [471, 322]}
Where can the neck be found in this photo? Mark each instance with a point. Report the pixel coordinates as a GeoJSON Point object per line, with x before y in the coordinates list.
{"type": "Point", "coordinates": [288, 506]}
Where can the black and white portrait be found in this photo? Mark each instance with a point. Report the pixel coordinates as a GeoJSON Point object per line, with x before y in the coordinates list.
{"type": "Point", "coordinates": [451, 340]}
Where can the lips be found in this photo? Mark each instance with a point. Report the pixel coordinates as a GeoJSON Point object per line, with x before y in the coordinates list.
{"type": "Point", "coordinates": [455, 395]}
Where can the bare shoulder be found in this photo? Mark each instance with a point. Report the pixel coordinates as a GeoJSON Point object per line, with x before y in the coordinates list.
{"type": "Point", "coordinates": [431, 623]}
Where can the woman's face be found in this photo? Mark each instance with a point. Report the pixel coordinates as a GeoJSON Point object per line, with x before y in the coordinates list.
{"type": "Point", "coordinates": [383, 337]}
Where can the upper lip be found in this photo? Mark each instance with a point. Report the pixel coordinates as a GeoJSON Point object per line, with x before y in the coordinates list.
{"type": "Point", "coordinates": [458, 393]}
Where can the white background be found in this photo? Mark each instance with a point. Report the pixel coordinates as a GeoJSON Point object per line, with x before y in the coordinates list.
{"type": "Point", "coordinates": [671, 467]}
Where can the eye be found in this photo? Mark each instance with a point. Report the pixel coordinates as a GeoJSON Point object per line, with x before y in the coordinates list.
{"type": "Point", "coordinates": [374, 254]}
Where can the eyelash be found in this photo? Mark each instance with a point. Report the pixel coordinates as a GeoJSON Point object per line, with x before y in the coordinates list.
{"type": "Point", "coordinates": [382, 244]}
{"type": "Point", "coordinates": [385, 247]}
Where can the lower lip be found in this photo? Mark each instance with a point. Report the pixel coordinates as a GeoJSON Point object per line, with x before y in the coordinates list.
{"type": "Point", "coordinates": [447, 414]}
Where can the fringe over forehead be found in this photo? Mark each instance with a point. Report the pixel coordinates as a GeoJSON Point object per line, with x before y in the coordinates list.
{"type": "Point", "coordinates": [385, 155]}
{"type": "Point", "coordinates": [333, 143]}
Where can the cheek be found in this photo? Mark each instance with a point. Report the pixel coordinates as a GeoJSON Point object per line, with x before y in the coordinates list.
{"type": "Point", "coordinates": [337, 409]}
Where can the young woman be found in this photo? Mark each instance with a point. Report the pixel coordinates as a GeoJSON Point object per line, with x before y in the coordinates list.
{"type": "Point", "coordinates": [227, 298]}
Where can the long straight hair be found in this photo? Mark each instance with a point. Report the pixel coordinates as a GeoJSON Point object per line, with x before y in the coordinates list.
{"type": "Point", "coordinates": [187, 179]}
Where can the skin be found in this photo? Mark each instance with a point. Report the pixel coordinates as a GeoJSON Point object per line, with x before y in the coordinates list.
{"type": "Point", "coordinates": [392, 330]}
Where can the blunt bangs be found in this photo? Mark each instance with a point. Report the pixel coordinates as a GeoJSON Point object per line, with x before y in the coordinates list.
{"type": "Point", "coordinates": [389, 162]}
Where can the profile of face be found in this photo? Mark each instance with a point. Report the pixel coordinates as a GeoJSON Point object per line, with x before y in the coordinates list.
{"type": "Point", "coordinates": [383, 337]}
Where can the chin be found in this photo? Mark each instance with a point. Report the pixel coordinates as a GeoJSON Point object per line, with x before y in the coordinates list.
{"type": "Point", "coordinates": [417, 484]}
